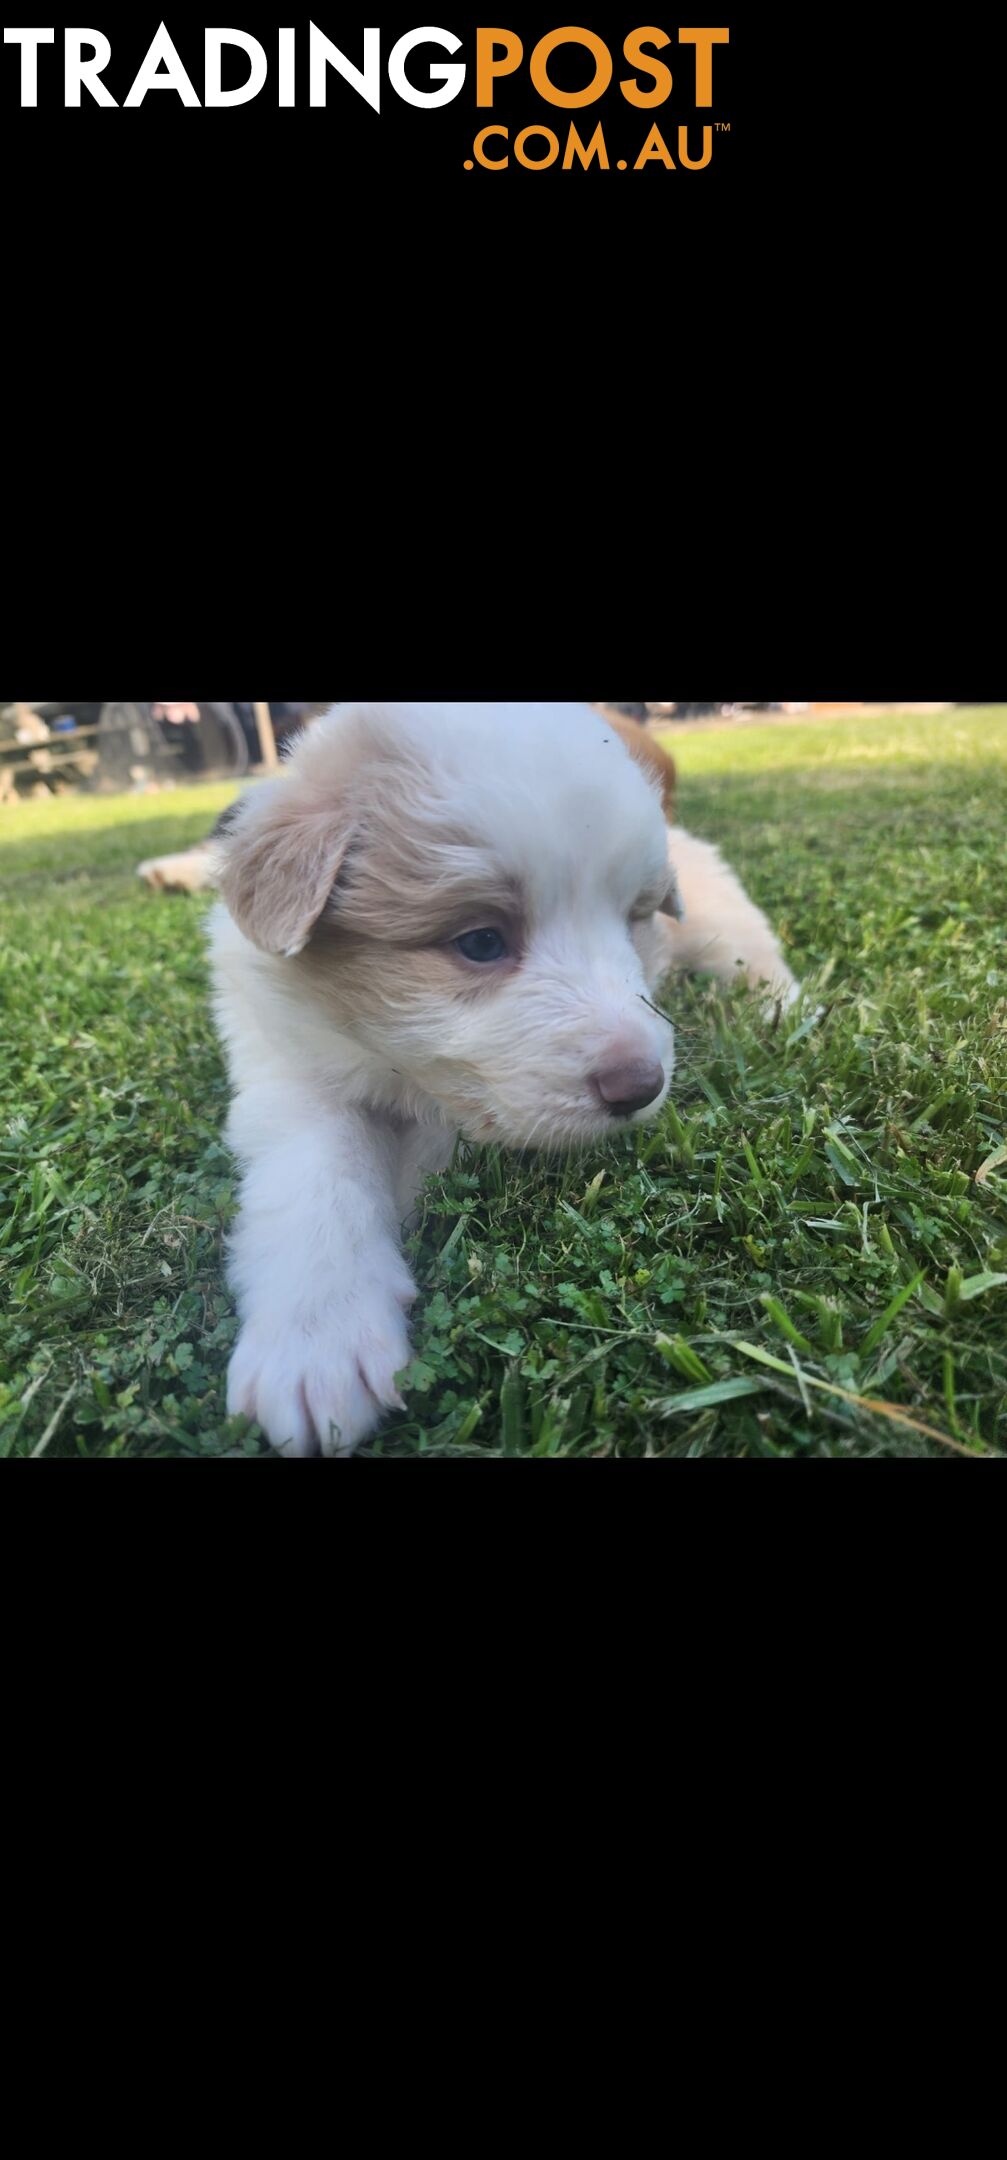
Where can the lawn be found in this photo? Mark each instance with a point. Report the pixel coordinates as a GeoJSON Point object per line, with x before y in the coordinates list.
{"type": "Point", "coordinates": [807, 1256]}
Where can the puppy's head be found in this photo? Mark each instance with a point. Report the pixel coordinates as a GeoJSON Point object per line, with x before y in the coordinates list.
{"type": "Point", "coordinates": [471, 893]}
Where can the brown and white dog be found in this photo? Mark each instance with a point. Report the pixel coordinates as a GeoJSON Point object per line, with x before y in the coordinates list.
{"type": "Point", "coordinates": [439, 920]}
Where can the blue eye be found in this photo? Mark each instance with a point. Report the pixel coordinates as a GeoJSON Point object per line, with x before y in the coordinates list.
{"type": "Point", "coordinates": [482, 946]}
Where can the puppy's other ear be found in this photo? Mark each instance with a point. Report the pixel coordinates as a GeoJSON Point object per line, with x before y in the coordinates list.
{"type": "Point", "coordinates": [663, 767]}
{"type": "Point", "coordinates": [280, 862]}
{"type": "Point", "coordinates": [672, 904]}
{"type": "Point", "coordinates": [648, 753]}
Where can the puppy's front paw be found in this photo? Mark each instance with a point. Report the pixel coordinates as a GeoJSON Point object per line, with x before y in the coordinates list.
{"type": "Point", "coordinates": [783, 992]}
{"type": "Point", "coordinates": [319, 1386]}
{"type": "Point", "coordinates": [176, 873]}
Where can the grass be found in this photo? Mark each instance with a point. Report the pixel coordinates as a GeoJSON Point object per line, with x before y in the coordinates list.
{"type": "Point", "coordinates": [808, 1256]}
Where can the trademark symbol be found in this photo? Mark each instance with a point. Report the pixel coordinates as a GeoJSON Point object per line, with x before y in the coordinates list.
{"type": "Point", "coordinates": [723, 127]}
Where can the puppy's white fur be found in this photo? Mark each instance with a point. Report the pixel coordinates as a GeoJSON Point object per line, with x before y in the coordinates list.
{"type": "Point", "coordinates": [361, 1043]}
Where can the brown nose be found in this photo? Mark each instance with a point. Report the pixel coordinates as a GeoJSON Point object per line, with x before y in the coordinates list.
{"type": "Point", "coordinates": [625, 1088]}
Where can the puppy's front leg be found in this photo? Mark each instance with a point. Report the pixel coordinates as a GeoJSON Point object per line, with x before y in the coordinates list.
{"type": "Point", "coordinates": [315, 1261]}
{"type": "Point", "coordinates": [722, 932]}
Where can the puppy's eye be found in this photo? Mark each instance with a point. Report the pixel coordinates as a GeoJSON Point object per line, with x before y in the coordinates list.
{"type": "Point", "coordinates": [483, 946]}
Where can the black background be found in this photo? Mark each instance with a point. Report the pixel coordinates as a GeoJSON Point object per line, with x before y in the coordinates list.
{"type": "Point", "coordinates": [294, 399]}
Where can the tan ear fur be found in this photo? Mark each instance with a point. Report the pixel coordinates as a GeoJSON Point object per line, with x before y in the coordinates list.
{"type": "Point", "coordinates": [647, 753]}
{"type": "Point", "coordinates": [280, 863]}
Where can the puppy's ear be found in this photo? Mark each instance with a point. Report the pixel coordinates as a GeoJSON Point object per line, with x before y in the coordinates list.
{"type": "Point", "coordinates": [649, 753]}
{"type": "Point", "coordinates": [280, 863]}
{"type": "Point", "coordinates": [672, 904]}
{"type": "Point", "coordinates": [663, 768]}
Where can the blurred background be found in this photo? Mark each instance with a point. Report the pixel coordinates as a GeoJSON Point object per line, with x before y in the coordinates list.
{"type": "Point", "coordinates": [57, 749]}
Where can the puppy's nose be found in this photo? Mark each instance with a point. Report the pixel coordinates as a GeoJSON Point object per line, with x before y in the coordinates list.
{"type": "Point", "coordinates": [625, 1088]}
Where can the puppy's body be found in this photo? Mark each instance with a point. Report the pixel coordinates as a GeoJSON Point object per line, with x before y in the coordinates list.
{"type": "Point", "coordinates": [443, 919]}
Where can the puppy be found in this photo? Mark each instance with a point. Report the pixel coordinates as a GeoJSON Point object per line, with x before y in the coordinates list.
{"type": "Point", "coordinates": [441, 920]}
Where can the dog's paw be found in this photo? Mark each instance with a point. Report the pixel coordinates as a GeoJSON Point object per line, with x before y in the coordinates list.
{"type": "Point", "coordinates": [782, 993]}
{"type": "Point", "coordinates": [175, 873]}
{"type": "Point", "coordinates": [322, 1388]}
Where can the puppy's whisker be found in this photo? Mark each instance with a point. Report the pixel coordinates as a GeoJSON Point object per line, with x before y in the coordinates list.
{"type": "Point", "coordinates": [655, 1009]}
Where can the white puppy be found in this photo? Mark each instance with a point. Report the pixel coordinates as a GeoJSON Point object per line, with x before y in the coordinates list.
{"type": "Point", "coordinates": [441, 919]}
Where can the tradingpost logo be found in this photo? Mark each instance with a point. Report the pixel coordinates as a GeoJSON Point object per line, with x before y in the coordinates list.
{"type": "Point", "coordinates": [571, 100]}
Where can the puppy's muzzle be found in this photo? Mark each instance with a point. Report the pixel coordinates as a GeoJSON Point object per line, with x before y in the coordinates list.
{"type": "Point", "coordinates": [626, 1088]}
